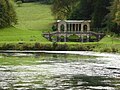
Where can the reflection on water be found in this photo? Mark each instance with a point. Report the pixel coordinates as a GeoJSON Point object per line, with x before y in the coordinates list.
{"type": "Point", "coordinates": [20, 71]}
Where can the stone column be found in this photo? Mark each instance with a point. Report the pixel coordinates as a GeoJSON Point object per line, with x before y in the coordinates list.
{"type": "Point", "coordinates": [82, 37]}
{"type": "Point", "coordinates": [59, 26]}
{"type": "Point", "coordinates": [65, 38]}
{"type": "Point", "coordinates": [65, 27]}
{"type": "Point", "coordinates": [71, 27]}
{"type": "Point", "coordinates": [99, 37]}
{"type": "Point", "coordinates": [75, 27]}
{"type": "Point", "coordinates": [58, 37]}
{"type": "Point", "coordinates": [88, 38]}
{"type": "Point", "coordinates": [88, 27]}
{"type": "Point", "coordinates": [82, 27]}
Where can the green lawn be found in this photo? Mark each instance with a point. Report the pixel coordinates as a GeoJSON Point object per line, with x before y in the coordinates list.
{"type": "Point", "coordinates": [34, 16]}
{"type": "Point", "coordinates": [17, 35]}
{"type": "Point", "coordinates": [110, 40]}
{"type": "Point", "coordinates": [33, 19]}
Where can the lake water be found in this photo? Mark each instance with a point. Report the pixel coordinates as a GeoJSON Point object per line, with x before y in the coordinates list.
{"type": "Point", "coordinates": [59, 71]}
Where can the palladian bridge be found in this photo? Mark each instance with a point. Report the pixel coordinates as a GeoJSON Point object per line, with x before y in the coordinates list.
{"type": "Point", "coordinates": [66, 28]}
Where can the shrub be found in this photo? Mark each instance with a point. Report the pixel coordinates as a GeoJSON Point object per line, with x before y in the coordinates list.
{"type": "Point", "coordinates": [37, 46]}
{"type": "Point", "coordinates": [19, 3]}
{"type": "Point", "coordinates": [54, 28]}
{"type": "Point", "coordinates": [54, 44]}
{"type": "Point", "coordinates": [72, 48]}
{"type": "Point", "coordinates": [106, 49]}
{"type": "Point", "coordinates": [47, 47]}
{"type": "Point", "coordinates": [8, 47]}
{"type": "Point", "coordinates": [27, 47]}
{"type": "Point", "coordinates": [62, 47]}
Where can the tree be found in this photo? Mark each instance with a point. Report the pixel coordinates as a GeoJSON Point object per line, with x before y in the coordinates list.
{"type": "Point", "coordinates": [83, 10]}
{"type": "Point", "coordinates": [7, 14]}
{"type": "Point", "coordinates": [61, 9]}
{"type": "Point", "coordinates": [113, 19]}
{"type": "Point", "coordinates": [115, 11]}
{"type": "Point", "coordinates": [100, 12]}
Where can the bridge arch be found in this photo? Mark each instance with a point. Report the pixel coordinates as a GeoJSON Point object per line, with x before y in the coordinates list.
{"type": "Point", "coordinates": [85, 28]}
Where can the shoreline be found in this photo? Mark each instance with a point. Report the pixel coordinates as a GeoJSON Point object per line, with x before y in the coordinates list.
{"type": "Point", "coordinates": [38, 47]}
{"type": "Point", "coordinates": [84, 53]}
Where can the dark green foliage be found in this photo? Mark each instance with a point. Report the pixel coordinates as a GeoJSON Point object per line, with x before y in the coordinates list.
{"type": "Point", "coordinates": [100, 12]}
{"type": "Point", "coordinates": [114, 27]}
{"type": "Point", "coordinates": [8, 47]}
{"type": "Point", "coordinates": [83, 11]}
{"type": "Point", "coordinates": [7, 14]}
{"type": "Point", "coordinates": [54, 45]}
{"type": "Point", "coordinates": [41, 1]}
{"type": "Point", "coordinates": [54, 28]}
{"type": "Point", "coordinates": [62, 47]}
{"type": "Point", "coordinates": [61, 9]}
{"type": "Point", "coordinates": [113, 18]}
{"type": "Point", "coordinates": [37, 46]}
{"type": "Point", "coordinates": [109, 49]}
{"type": "Point", "coordinates": [46, 1]}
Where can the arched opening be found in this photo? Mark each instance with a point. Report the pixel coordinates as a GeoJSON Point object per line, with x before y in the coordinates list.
{"type": "Point", "coordinates": [62, 27]}
{"type": "Point", "coordinates": [85, 28]}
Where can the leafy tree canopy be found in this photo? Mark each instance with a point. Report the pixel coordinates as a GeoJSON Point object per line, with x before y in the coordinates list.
{"type": "Point", "coordinates": [83, 10]}
{"type": "Point", "coordinates": [61, 9]}
{"type": "Point", "coordinates": [7, 14]}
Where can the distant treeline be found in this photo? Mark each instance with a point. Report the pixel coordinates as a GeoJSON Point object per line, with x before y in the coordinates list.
{"type": "Point", "coordinates": [104, 14]}
{"type": "Point", "coordinates": [41, 1]}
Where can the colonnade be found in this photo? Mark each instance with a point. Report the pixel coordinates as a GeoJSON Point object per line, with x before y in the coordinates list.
{"type": "Point", "coordinates": [74, 26]}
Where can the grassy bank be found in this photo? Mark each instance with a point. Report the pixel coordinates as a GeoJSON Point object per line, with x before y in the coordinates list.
{"type": "Point", "coordinates": [34, 16]}
{"type": "Point", "coordinates": [109, 44]}
{"type": "Point", "coordinates": [48, 46]}
{"type": "Point", "coordinates": [33, 19]}
{"type": "Point", "coordinates": [52, 46]}
{"type": "Point", "coordinates": [15, 35]}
